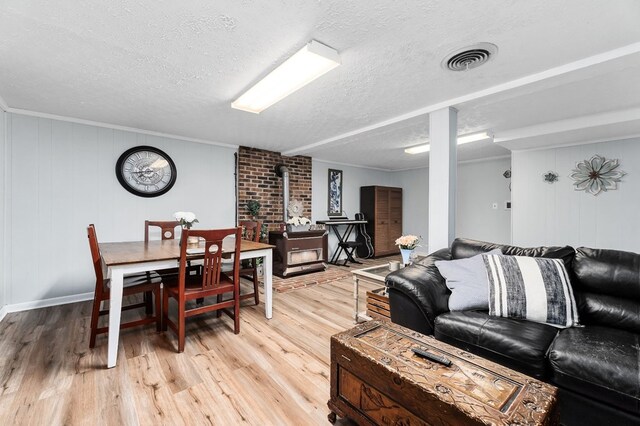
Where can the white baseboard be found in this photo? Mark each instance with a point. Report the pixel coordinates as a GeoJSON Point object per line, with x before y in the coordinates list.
{"type": "Point", "coordinates": [44, 303]}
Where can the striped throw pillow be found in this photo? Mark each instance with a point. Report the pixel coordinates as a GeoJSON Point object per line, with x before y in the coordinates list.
{"type": "Point", "coordinates": [532, 288]}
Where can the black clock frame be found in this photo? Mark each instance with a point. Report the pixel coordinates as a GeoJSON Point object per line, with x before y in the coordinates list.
{"type": "Point", "coordinates": [123, 181]}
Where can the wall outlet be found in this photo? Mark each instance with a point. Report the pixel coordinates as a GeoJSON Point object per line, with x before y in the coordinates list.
{"type": "Point", "coordinates": [494, 206]}
{"type": "Point", "coordinates": [507, 205]}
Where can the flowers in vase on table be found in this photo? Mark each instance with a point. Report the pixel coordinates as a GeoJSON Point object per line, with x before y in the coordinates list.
{"type": "Point", "coordinates": [298, 221]}
{"type": "Point", "coordinates": [408, 242]}
{"type": "Point", "coordinates": [186, 219]}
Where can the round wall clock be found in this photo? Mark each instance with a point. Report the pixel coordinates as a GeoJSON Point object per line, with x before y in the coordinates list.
{"type": "Point", "coordinates": [146, 171]}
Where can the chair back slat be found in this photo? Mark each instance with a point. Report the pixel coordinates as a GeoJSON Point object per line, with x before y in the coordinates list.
{"type": "Point", "coordinates": [213, 255]}
{"type": "Point", "coordinates": [212, 263]}
{"type": "Point", "coordinates": [167, 228]}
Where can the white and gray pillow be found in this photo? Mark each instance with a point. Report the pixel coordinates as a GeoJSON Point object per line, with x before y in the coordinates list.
{"type": "Point", "coordinates": [467, 280]}
{"type": "Point", "coordinates": [532, 288]}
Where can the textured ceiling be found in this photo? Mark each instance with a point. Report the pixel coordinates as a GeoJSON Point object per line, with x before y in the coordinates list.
{"type": "Point", "coordinates": [175, 67]}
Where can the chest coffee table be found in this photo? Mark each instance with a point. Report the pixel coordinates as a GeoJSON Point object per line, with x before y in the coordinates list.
{"type": "Point", "coordinates": [377, 380]}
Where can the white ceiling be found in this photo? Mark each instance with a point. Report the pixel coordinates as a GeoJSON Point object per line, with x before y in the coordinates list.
{"type": "Point", "coordinates": [175, 67]}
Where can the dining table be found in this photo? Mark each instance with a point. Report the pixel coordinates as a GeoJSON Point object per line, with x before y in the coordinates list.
{"type": "Point", "coordinates": [122, 258]}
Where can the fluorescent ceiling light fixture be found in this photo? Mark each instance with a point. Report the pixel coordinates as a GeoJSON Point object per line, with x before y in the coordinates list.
{"type": "Point", "coordinates": [309, 63]}
{"type": "Point", "coordinates": [419, 149]}
{"type": "Point", "coordinates": [472, 137]}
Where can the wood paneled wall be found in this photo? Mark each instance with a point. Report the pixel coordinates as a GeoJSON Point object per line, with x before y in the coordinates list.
{"type": "Point", "coordinates": [61, 177]}
{"type": "Point", "coordinates": [556, 214]}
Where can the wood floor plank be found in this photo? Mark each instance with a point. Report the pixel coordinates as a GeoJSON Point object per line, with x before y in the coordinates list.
{"type": "Point", "coordinates": [275, 372]}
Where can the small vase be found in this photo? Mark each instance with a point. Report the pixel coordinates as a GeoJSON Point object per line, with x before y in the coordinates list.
{"type": "Point", "coordinates": [406, 255]}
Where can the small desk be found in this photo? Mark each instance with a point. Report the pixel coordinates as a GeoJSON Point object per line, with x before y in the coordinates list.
{"type": "Point", "coordinates": [138, 256]}
{"type": "Point", "coordinates": [344, 245]}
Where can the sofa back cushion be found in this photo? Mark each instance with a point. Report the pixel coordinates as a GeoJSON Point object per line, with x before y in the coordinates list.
{"type": "Point", "coordinates": [607, 286]}
{"type": "Point", "coordinates": [462, 248]}
{"type": "Point", "coordinates": [531, 288]}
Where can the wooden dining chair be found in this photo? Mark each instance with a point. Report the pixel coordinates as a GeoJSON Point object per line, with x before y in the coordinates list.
{"type": "Point", "coordinates": [212, 281]}
{"type": "Point", "coordinates": [167, 228]}
{"type": "Point", "coordinates": [251, 231]}
{"type": "Point", "coordinates": [133, 284]}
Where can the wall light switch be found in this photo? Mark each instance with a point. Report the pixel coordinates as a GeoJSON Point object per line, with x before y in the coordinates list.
{"type": "Point", "coordinates": [494, 206]}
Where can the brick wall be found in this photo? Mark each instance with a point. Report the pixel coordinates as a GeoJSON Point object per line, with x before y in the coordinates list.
{"type": "Point", "coordinates": [257, 180]}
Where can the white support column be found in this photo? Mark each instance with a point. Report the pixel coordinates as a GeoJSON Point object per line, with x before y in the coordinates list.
{"type": "Point", "coordinates": [443, 162]}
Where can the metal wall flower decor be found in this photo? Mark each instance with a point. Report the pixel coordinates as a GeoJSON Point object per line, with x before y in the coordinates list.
{"type": "Point", "coordinates": [550, 177]}
{"type": "Point", "coordinates": [596, 175]}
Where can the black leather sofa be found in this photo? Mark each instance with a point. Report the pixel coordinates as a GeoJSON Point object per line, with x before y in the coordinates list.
{"type": "Point", "coordinates": [595, 367]}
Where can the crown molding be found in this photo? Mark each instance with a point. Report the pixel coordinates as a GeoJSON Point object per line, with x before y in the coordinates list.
{"type": "Point", "coordinates": [352, 165]}
{"type": "Point", "coordinates": [115, 127]}
{"type": "Point", "coordinates": [513, 84]}
{"type": "Point", "coordinates": [3, 104]}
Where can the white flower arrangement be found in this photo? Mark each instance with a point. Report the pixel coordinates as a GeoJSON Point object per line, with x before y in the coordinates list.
{"type": "Point", "coordinates": [186, 219]}
{"type": "Point", "coordinates": [298, 221]}
{"type": "Point", "coordinates": [408, 242]}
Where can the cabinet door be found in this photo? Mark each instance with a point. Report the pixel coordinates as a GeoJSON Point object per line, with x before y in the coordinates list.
{"type": "Point", "coordinates": [382, 221]}
{"type": "Point", "coordinates": [395, 218]}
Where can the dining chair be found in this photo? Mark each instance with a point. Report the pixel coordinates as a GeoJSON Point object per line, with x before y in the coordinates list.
{"type": "Point", "coordinates": [212, 281]}
{"type": "Point", "coordinates": [167, 228]}
{"type": "Point", "coordinates": [251, 231]}
{"type": "Point", "coordinates": [133, 284]}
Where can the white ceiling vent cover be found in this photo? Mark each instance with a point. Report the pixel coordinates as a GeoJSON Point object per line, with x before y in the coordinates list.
{"type": "Point", "coordinates": [469, 57]}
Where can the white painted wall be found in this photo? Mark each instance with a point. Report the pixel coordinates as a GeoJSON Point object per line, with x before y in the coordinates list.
{"type": "Point", "coordinates": [353, 178]}
{"type": "Point", "coordinates": [415, 203]}
{"type": "Point", "coordinates": [556, 214]}
{"type": "Point", "coordinates": [60, 178]}
{"type": "Point", "coordinates": [479, 185]}
{"type": "Point", "coordinates": [3, 156]}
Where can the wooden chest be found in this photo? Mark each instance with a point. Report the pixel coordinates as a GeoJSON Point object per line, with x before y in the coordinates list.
{"type": "Point", "coordinates": [378, 304]}
{"type": "Point", "coordinates": [377, 380]}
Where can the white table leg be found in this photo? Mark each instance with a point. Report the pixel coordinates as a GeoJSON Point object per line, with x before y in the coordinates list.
{"type": "Point", "coordinates": [115, 308]}
{"type": "Point", "coordinates": [268, 285]}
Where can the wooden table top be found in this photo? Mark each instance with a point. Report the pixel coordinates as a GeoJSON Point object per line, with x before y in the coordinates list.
{"type": "Point", "coordinates": [138, 251]}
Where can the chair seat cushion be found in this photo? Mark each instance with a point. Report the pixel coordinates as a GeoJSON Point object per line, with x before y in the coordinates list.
{"type": "Point", "coordinates": [599, 362]}
{"type": "Point", "coordinates": [517, 344]}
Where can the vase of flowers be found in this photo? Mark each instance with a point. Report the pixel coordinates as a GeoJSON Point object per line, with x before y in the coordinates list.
{"type": "Point", "coordinates": [187, 219]}
{"type": "Point", "coordinates": [407, 244]}
{"type": "Point", "coordinates": [298, 224]}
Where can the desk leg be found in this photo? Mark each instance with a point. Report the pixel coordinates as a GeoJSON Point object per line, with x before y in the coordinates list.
{"type": "Point", "coordinates": [268, 284]}
{"type": "Point", "coordinates": [115, 308]}
{"type": "Point", "coordinates": [355, 298]}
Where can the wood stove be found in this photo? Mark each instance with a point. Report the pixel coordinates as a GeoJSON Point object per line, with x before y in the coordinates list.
{"type": "Point", "coordinates": [298, 252]}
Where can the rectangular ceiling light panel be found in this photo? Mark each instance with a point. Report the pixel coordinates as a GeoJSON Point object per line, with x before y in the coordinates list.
{"type": "Point", "coordinates": [309, 63]}
{"type": "Point", "coordinates": [461, 140]}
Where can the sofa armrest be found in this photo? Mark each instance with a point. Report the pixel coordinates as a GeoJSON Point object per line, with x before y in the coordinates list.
{"type": "Point", "coordinates": [418, 293]}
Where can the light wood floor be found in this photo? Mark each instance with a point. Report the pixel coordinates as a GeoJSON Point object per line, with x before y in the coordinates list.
{"type": "Point", "coordinates": [275, 372]}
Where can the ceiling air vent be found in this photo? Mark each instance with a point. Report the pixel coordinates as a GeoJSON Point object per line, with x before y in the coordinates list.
{"type": "Point", "coordinates": [469, 57]}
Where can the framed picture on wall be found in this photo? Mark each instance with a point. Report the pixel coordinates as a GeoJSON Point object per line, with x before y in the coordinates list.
{"type": "Point", "coordinates": [335, 193]}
